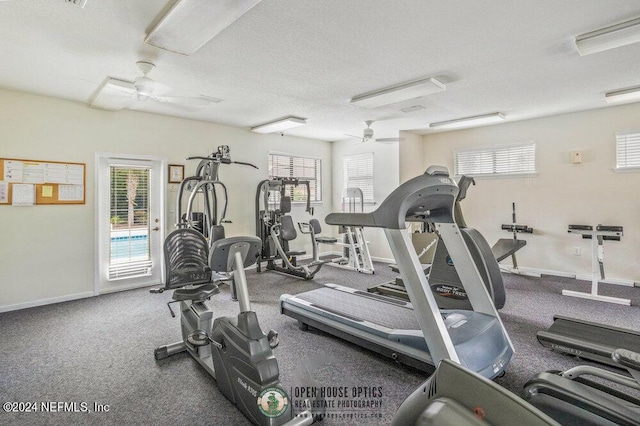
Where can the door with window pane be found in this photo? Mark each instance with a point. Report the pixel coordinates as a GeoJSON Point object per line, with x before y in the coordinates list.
{"type": "Point", "coordinates": [130, 224]}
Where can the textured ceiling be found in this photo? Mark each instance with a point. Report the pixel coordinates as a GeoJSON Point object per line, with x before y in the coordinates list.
{"type": "Point", "coordinates": [308, 58]}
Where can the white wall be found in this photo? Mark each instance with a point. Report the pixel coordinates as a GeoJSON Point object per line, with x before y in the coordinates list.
{"type": "Point", "coordinates": [411, 153]}
{"type": "Point", "coordinates": [47, 252]}
{"type": "Point", "coordinates": [563, 193]}
{"type": "Point", "coordinates": [385, 169]}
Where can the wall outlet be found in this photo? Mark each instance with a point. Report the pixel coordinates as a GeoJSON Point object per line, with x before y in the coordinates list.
{"type": "Point", "coordinates": [577, 251]}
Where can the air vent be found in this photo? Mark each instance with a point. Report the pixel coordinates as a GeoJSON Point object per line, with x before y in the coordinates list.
{"type": "Point", "coordinates": [79, 3]}
{"type": "Point", "coordinates": [412, 108]}
{"type": "Point", "coordinates": [211, 99]}
{"type": "Point", "coordinates": [433, 388]}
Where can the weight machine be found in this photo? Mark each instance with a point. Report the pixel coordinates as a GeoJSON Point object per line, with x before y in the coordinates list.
{"type": "Point", "coordinates": [274, 226]}
{"type": "Point", "coordinates": [205, 188]}
{"type": "Point", "coordinates": [355, 253]}
{"type": "Point", "coordinates": [597, 237]}
{"type": "Point", "coordinates": [506, 247]}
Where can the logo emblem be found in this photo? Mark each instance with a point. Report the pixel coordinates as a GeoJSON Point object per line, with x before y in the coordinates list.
{"type": "Point", "coordinates": [273, 402]}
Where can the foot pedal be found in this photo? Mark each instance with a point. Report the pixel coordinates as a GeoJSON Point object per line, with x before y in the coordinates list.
{"type": "Point", "coordinates": [272, 337]}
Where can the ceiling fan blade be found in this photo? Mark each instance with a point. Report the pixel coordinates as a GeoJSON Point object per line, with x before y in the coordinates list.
{"type": "Point", "coordinates": [389, 140]}
{"type": "Point", "coordinates": [182, 100]}
{"type": "Point", "coordinates": [113, 95]}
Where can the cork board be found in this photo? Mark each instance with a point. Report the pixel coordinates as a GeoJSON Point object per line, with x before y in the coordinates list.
{"type": "Point", "coordinates": [36, 182]}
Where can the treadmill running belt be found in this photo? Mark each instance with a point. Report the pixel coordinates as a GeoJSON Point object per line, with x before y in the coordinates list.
{"type": "Point", "coordinates": [600, 334]}
{"type": "Point", "coordinates": [389, 315]}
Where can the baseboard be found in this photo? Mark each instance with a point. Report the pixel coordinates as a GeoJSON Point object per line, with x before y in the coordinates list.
{"type": "Point", "coordinates": [50, 301]}
{"type": "Point", "coordinates": [535, 272]}
{"type": "Point", "coordinates": [128, 287]}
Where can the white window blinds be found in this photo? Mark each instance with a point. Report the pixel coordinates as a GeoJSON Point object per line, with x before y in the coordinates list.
{"type": "Point", "coordinates": [628, 150]}
{"type": "Point", "coordinates": [358, 173]}
{"type": "Point", "coordinates": [509, 160]}
{"type": "Point", "coordinates": [303, 168]}
{"type": "Point", "coordinates": [129, 250]}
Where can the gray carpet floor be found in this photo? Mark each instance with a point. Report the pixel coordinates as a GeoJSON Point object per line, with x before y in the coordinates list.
{"type": "Point", "coordinates": [100, 351]}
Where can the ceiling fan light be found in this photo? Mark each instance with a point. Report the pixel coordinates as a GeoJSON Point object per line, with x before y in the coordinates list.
{"type": "Point", "coordinates": [608, 38]}
{"type": "Point", "coordinates": [476, 120]}
{"type": "Point", "coordinates": [401, 92]}
{"type": "Point", "coordinates": [113, 95]}
{"type": "Point", "coordinates": [190, 24]}
{"type": "Point", "coordinates": [279, 125]}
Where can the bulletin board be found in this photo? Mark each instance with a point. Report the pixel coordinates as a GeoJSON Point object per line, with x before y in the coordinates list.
{"type": "Point", "coordinates": [35, 182]}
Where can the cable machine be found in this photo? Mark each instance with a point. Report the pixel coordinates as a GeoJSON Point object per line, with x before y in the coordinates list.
{"type": "Point", "coordinates": [275, 227]}
{"type": "Point", "coordinates": [205, 188]}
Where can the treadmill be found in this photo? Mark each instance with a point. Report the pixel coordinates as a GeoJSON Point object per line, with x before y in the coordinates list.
{"type": "Point", "coordinates": [588, 340]}
{"type": "Point", "coordinates": [416, 333]}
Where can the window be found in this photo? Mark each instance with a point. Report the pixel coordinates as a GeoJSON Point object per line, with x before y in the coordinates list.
{"type": "Point", "coordinates": [508, 160]}
{"type": "Point", "coordinates": [358, 173]}
{"type": "Point", "coordinates": [628, 151]}
{"type": "Point", "coordinates": [129, 250]}
{"type": "Point", "coordinates": [303, 168]}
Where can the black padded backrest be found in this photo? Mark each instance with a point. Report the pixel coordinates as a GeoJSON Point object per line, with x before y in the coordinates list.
{"type": "Point", "coordinates": [315, 224]}
{"type": "Point", "coordinates": [222, 256]}
{"type": "Point", "coordinates": [285, 204]}
{"type": "Point", "coordinates": [186, 254]}
{"type": "Point", "coordinates": [287, 229]}
{"type": "Point", "coordinates": [217, 233]}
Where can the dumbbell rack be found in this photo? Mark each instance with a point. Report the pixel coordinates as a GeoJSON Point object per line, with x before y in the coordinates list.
{"type": "Point", "coordinates": [597, 237]}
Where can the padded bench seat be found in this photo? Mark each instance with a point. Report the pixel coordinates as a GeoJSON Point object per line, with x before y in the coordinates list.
{"type": "Point", "coordinates": [326, 240]}
{"type": "Point", "coordinates": [197, 293]}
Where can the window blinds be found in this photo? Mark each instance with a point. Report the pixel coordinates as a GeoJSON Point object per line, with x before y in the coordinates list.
{"type": "Point", "coordinates": [129, 250]}
{"type": "Point", "coordinates": [303, 168]}
{"type": "Point", "coordinates": [500, 161]}
{"type": "Point", "coordinates": [627, 150]}
{"type": "Point", "coordinates": [358, 173]}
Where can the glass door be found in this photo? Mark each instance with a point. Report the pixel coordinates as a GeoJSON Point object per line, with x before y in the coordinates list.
{"type": "Point", "coordinates": [129, 218]}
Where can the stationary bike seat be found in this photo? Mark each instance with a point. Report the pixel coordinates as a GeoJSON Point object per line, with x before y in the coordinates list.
{"type": "Point", "coordinates": [197, 293]}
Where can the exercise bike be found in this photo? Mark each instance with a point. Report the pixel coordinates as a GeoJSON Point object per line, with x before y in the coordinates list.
{"type": "Point", "coordinates": [234, 350]}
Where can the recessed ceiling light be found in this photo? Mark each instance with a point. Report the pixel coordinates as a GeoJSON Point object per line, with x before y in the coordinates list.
{"type": "Point", "coordinates": [279, 125]}
{"type": "Point", "coordinates": [401, 92]}
{"type": "Point", "coordinates": [471, 121]}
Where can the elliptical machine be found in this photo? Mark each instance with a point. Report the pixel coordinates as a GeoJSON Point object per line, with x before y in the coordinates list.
{"type": "Point", "coordinates": [234, 350]}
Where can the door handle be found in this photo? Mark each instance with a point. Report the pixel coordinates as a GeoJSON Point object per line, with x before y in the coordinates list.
{"type": "Point", "coordinates": [155, 229]}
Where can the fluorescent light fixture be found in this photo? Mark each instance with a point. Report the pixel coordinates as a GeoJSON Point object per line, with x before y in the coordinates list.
{"type": "Point", "coordinates": [626, 95]}
{"type": "Point", "coordinates": [402, 92]}
{"type": "Point", "coordinates": [279, 125]}
{"type": "Point", "coordinates": [114, 95]}
{"type": "Point", "coordinates": [471, 121]}
{"type": "Point", "coordinates": [190, 24]}
{"type": "Point", "coordinates": [609, 38]}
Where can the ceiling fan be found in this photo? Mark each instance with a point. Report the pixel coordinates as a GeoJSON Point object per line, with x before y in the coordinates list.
{"type": "Point", "coordinates": [115, 94]}
{"type": "Point", "coordinates": [367, 135]}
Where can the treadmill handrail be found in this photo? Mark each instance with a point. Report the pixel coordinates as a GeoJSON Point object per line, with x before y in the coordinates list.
{"type": "Point", "coordinates": [430, 196]}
